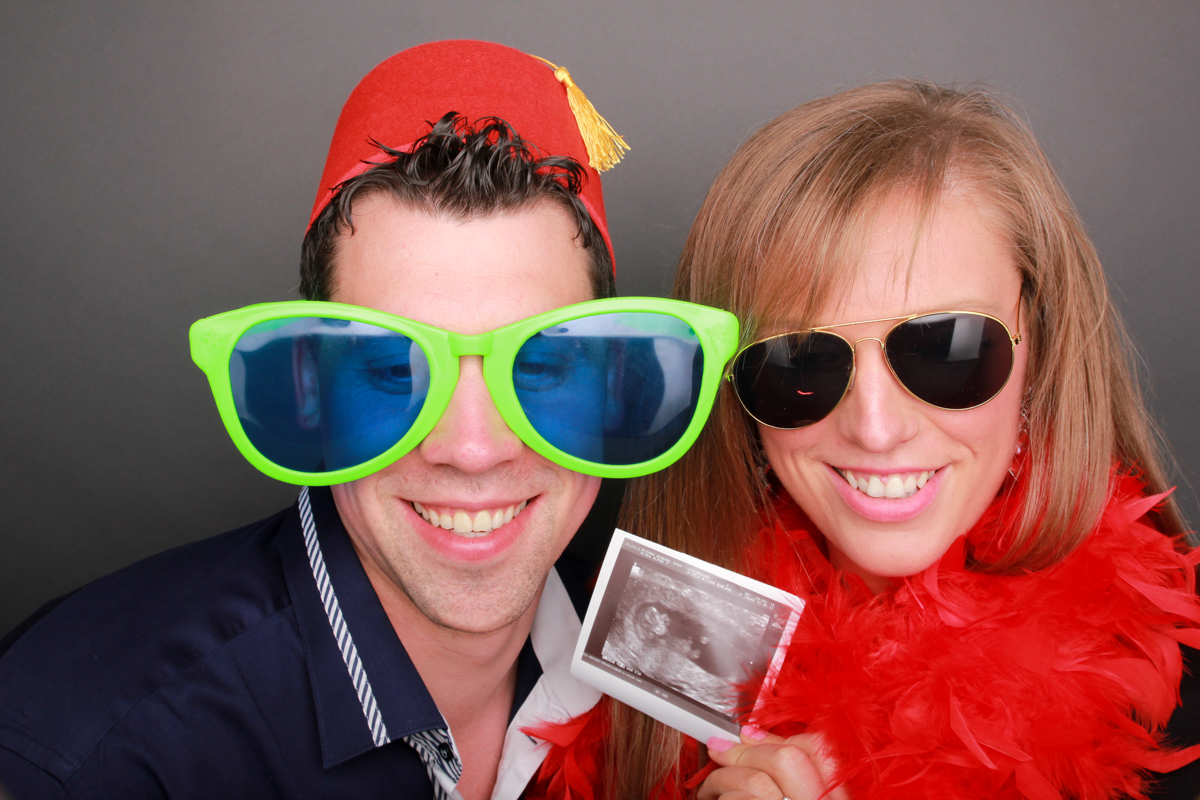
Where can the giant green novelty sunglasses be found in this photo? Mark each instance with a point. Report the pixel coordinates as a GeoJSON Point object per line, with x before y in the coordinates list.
{"type": "Point", "coordinates": [321, 393]}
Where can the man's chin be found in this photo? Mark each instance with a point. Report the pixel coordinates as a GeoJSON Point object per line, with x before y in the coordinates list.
{"type": "Point", "coordinates": [469, 625]}
{"type": "Point", "coordinates": [477, 613]}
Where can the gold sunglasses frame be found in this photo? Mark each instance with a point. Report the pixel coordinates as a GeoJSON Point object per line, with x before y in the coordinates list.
{"type": "Point", "coordinates": [1013, 340]}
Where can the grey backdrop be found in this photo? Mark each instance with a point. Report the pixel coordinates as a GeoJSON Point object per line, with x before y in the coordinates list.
{"type": "Point", "coordinates": [158, 161]}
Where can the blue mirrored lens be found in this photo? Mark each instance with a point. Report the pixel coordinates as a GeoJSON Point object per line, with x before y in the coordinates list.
{"type": "Point", "coordinates": [613, 389]}
{"type": "Point", "coordinates": [318, 395]}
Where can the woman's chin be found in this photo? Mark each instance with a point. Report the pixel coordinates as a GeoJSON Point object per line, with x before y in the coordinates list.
{"type": "Point", "coordinates": [882, 563]}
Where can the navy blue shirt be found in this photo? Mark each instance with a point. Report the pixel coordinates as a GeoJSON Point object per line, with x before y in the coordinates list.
{"type": "Point", "coordinates": [256, 664]}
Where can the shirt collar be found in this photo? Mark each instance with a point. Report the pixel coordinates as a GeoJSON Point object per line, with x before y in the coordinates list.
{"type": "Point", "coordinates": [366, 690]}
{"type": "Point", "coordinates": [557, 697]}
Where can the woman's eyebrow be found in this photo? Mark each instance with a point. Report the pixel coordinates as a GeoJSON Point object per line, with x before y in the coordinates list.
{"type": "Point", "coordinates": [977, 305]}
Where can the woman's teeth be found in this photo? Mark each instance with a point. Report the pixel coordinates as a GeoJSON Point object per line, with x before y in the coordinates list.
{"type": "Point", "coordinates": [467, 523]}
{"type": "Point", "coordinates": [895, 486]}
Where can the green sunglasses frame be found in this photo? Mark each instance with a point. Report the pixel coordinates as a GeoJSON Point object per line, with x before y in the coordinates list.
{"type": "Point", "coordinates": [213, 340]}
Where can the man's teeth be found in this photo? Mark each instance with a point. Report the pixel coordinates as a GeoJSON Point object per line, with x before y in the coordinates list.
{"type": "Point", "coordinates": [467, 523]}
{"type": "Point", "coordinates": [894, 486]}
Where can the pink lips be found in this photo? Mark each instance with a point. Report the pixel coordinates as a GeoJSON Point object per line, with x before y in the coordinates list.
{"type": "Point", "coordinates": [461, 548]}
{"type": "Point", "coordinates": [882, 509]}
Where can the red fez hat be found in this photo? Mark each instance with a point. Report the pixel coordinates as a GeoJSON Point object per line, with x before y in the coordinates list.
{"type": "Point", "coordinates": [396, 102]}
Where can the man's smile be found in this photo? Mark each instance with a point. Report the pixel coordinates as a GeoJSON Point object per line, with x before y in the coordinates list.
{"type": "Point", "coordinates": [467, 523]}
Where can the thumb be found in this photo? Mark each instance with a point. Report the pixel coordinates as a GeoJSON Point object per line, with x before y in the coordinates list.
{"type": "Point", "coordinates": [752, 734]}
{"type": "Point", "coordinates": [729, 753]}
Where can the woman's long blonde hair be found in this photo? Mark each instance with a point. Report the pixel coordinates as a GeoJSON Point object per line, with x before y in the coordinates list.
{"type": "Point", "coordinates": [778, 235]}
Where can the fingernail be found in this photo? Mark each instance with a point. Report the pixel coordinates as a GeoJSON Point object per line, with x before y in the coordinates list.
{"type": "Point", "coordinates": [753, 732]}
{"type": "Point", "coordinates": [719, 745]}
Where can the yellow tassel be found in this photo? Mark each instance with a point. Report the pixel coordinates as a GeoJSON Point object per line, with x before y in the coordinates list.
{"type": "Point", "coordinates": [605, 147]}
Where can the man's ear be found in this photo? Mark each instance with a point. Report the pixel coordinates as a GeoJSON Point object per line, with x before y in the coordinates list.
{"type": "Point", "coordinates": [614, 407]}
{"type": "Point", "coordinates": [307, 384]}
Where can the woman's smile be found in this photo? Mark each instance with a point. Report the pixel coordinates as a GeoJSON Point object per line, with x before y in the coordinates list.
{"type": "Point", "coordinates": [892, 485]}
{"type": "Point", "coordinates": [887, 497]}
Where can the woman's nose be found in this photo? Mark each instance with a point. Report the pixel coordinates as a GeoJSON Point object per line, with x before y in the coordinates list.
{"type": "Point", "coordinates": [877, 412]}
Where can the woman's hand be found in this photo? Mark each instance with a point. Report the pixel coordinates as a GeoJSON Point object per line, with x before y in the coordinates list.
{"type": "Point", "coordinates": [767, 767]}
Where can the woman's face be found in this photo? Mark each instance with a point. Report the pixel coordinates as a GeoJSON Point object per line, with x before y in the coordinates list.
{"type": "Point", "coordinates": [963, 262]}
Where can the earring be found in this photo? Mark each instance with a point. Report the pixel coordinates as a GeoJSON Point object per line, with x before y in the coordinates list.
{"type": "Point", "coordinates": [764, 469]}
{"type": "Point", "coordinates": [1022, 438]}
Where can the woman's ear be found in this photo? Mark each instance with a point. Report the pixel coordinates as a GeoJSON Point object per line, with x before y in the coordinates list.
{"type": "Point", "coordinates": [307, 383]}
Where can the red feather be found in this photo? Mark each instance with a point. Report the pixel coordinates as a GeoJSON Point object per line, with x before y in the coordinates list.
{"type": "Point", "coordinates": [960, 684]}
{"type": "Point", "coordinates": [572, 767]}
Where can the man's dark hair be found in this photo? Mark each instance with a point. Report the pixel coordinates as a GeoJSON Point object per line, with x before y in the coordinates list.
{"type": "Point", "coordinates": [466, 171]}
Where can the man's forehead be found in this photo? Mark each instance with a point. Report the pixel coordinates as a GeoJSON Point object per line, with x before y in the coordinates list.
{"type": "Point", "coordinates": [470, 274]}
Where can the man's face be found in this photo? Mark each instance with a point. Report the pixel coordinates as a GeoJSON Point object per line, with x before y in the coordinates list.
{"type": "Point", "coordinates": [471, 470]}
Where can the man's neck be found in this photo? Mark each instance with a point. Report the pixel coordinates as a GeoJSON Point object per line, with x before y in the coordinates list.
{"type": "Point", "coordinates": [462, 671]}
{"type": "Point", "coordinates": [472, 678]}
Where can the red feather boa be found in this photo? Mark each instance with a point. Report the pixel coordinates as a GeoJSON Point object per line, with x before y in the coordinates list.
{"type": "Point", "coordinates": [960, 684]}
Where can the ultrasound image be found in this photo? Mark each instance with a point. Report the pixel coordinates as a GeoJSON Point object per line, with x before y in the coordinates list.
{"type": "Point", "coordinates": [682, 636]}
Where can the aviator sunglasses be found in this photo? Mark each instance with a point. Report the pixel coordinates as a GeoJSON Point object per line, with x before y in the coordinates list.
{"type": "Point", "coordinates": [949, 359]}
{"type": "Point", "coordinates": [320, 393]}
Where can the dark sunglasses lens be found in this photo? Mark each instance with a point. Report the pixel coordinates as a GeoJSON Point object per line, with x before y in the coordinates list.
{"type": "Point", "coordinates": [951, 361]}
{"type": "Point", "coordinates": [318, 395]}
{"type": "Point", "coordinates": [794, 380]}
{"type": "Point", "coordinates": [612, 389]}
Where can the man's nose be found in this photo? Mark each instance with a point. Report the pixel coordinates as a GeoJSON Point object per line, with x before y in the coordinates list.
{"type": "Point", "coordinates": [471, 435]}
{"type": "Point", "coordinates": [877, 412]}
